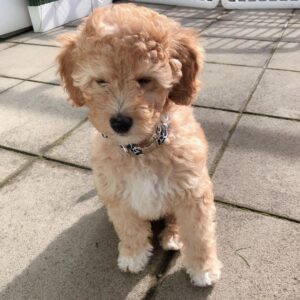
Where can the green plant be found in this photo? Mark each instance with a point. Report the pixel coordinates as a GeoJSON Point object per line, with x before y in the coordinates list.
{"type": "Point", "coordinates": [39, 2]}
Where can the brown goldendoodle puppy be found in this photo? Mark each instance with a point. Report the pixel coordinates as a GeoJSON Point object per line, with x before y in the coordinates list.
{"type": "Point", "coordinates": [136, 71]}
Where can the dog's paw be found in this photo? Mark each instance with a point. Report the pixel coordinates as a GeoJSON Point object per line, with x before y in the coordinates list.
{"type": "Point", "coordinates": [136, 263]}
{"type": "Point", "coordinates": [204, 278]}
{"type": "Point", "coordinates": [171, 242]}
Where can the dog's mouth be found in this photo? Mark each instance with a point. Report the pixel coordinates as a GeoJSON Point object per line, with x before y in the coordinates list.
{"type": "Point", "coordinates": [123, 134]}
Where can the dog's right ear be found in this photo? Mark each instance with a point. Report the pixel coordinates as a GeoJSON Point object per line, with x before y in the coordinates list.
{"type": "Point", "coordinates": [66, 63]}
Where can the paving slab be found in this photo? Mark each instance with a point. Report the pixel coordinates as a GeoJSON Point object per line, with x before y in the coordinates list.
{"type": "Point", "coordinates": [216, 125]}
{"type": "Point", "coordinates": [160, 8]}
{"type": "Point", "coordinates": [258, 16]}
{"type": "Point", "coordinates": [296, 16]}
{"type": "Point", "coordinates": [189, 12]}
{"type": "Point", "coordinates": [50, 37]}
{"type": "Point", "coordinates": [260, 168]}
{"type": "Point", "coordinates": [23, 37]}
{"type": "Point", "coordinates": [197, 24]}
{"type": "Point", "coordinates": [4, 45]}
{"type": "Point", "coordinates": [75, 23]}
{"type": "Point", "coordinates": [24, 61]}
{"type": "Point", "coordinates": [260, 256]}
{"type": "Point", "coordinates": [10, 162]}
{"type": "Point", "coordinates": [245, 30]}
{"type": "Point", "coordinates": [48, 76]}
{"type": "Point", "coordinates": [57, 242]}
{"type": "Point", "coordinates": [277, 94]}
{"type": "Point", "coordinates": [286, 57]}
{"type": "Point", "coordinates": [7, 83]}
{"type": "Point", "coordinates": [34, 115]}
{"type": "Point", "coordinates": [237, 51]}
{"type": "Point", "coordinates": [46, 38]}
{"type": "Point", "coordinates": [292, 33]}
{"type": "Point", "coordinates": [76, 148]}
{"type": "Point", "coordinates": [225, 86]}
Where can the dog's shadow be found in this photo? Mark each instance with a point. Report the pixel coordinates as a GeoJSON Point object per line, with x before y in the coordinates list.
{"type": "Point", "coordinates": [82, 264]}
{"type": "Point", "coordinates": [177, 286]}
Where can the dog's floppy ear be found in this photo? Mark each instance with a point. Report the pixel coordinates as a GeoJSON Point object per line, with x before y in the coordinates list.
{"type": "Point", "coordinates": [66, 63]}
{"type": "Point", "coordinates": [186, 62]}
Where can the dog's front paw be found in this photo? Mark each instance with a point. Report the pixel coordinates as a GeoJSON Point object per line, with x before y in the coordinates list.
{"type": "Point", "coordinates": [135, 263]}
{"type": "Point", "coordinates": [204, 278]}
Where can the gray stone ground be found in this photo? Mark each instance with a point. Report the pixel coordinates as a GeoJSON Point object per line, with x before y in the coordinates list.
{"type": "Point", "coordinates": [56, 241]}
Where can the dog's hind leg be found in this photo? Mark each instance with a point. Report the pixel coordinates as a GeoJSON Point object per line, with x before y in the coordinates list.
{"type": "Point", "coordinates": [169, 237]}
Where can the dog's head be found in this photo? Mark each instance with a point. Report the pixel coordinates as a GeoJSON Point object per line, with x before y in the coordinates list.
{"type": "Point", "coordinates": [125, 64]}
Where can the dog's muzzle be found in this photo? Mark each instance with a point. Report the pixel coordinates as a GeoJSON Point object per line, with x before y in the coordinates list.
{"type": "Point", "coordinates": [158, 138]}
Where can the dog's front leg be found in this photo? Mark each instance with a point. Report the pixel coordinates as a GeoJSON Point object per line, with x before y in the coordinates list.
{"type": "Point", "coordinates": [134, 234]}
{"type": "Point", "coordinates": [195, 217]}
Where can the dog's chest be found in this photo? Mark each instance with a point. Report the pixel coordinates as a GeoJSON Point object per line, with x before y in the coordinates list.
{"type": "Point", "coordinates": [148, 191]}
{"type": "Point", "coordinates": [148, 188]}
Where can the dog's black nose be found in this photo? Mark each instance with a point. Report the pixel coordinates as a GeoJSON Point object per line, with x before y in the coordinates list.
{"type": "Point", "coordinates": [120, 123]}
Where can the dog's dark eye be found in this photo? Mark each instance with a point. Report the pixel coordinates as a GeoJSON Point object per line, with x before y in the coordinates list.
{"type": "Point", "coordinates": [101, 82]}
{"type": "Point", "coordinates": [143, 81]}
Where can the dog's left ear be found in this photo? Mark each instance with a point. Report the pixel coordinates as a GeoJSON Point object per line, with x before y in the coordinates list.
{"type": "Point", "coordinates": [186, 62]}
